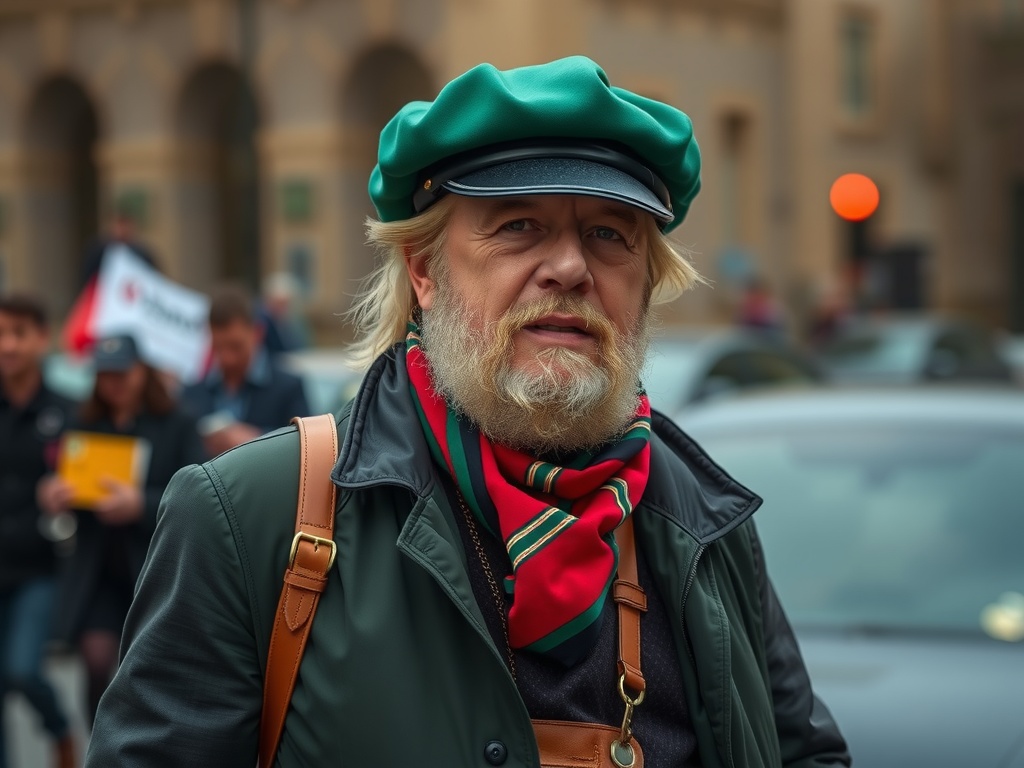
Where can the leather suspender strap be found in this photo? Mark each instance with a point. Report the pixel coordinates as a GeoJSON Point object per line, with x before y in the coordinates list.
{"type": "Point", "coordinates": [312, 554]}
{"type": "Point", "coordinates": [630, 597]}
{"type": "Point", "coordinates": [564, 744]}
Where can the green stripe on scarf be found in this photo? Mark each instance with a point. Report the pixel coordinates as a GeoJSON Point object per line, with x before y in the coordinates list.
{"type": "Point", "coordinates": [535, 535]}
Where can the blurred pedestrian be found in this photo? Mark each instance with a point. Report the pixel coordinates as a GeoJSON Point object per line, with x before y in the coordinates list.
{"type": "Point", "coordinates": [283, 326]}
{"type": "Point", "coordinates": [532, 568]}
{"type": "Point", "coordinates": [32, 418]}
{"type": "Point", "coordinates": [759, 311]}
{"type": "Point", "coordinates": [112, 537]}
{"type": "Point", "coordinates": [830, 312]}
{"type": "Point", "coordinates": [246, 393]}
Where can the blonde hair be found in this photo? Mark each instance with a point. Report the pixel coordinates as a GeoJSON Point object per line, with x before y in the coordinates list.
{"type": "Point", "coordinates": [386, 302]}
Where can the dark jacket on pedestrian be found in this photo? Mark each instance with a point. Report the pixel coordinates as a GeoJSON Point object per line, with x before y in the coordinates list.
{"type": "Point", "coordinates": [268, 399]}
{"type": "Point", "coordinates": [174, 443]}
{"type": "Point", "coordinates": [400, 669]}
{"type": "Point", "coordinates": [29, 439]}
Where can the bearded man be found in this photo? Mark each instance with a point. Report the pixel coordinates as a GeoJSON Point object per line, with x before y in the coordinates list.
{"type": "Point", "coordinates": [532, 567]}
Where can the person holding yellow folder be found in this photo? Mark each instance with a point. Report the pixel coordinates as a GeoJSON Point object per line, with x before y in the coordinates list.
{"type": "Point", "coordinates": [127, 441]}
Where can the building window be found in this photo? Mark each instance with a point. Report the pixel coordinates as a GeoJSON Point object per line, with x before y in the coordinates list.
{"type": "Point", "coordinates": [856, 67]}
{"type": "Point", "coordinates": [734, 180]}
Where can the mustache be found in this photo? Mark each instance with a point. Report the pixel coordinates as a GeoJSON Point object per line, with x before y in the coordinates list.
{"type": "Point", "coordinates": [518, 317]}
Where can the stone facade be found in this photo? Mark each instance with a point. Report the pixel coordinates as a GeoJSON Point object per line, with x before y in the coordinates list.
{"type": "Point", "coordinates": [244, 131]}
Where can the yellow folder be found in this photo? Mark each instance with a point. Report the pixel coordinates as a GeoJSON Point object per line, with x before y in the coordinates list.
{"type": "Point", "coordinates": [87, 457]}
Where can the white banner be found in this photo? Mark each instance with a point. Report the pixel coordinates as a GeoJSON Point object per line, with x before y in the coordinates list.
{"type": "Point", "coordinates": [168, 320]}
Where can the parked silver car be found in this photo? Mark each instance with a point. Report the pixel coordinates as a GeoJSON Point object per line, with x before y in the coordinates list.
{"type": "Point", "coordinates": [695, 364]}
{"type": "Point", "coordinates": [893, 526]}
{"type": "Point", "coordinates": [904, 349]}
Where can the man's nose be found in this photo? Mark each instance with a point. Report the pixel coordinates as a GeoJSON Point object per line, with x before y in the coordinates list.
{"type": "Point", "coordinates": [565, 266]}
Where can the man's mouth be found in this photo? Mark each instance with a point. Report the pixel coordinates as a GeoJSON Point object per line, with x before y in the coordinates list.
{"type": "Point", "coordinates": [557, 328]}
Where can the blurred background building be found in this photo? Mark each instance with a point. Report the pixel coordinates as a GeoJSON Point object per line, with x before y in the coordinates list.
{"type": "Point", "coordinates": [240, 133]}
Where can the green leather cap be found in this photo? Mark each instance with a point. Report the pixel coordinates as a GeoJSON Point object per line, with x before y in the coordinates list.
{"type": "Point", "coordinates": [556, 128]}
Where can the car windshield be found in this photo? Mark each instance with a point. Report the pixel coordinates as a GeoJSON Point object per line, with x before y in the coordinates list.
{"type": "Point", "coordinates": [875, 353]}
{"type": "Point", "coordinates": [889, 528]}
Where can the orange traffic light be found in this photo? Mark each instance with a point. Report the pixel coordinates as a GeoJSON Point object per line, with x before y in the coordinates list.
{"type": "Point", "coordinates": [853, 196]}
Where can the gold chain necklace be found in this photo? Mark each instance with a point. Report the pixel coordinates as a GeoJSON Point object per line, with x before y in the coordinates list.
{"type": "Point", "coordinates": [499, 602]}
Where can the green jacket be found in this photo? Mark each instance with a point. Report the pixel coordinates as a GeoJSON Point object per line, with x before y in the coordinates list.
{"type": "Point", "coordinates": [400, 669]}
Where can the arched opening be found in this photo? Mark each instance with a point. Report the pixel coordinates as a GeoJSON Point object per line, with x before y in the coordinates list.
{"type": "Point", "coordinates": [219, 192]}
{"type": "Point", "coordinates": [380, 82]}
{"type": "Point", "coordinates": [61, 185]}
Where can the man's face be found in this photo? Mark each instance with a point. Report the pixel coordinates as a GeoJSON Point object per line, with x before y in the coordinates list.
{"type": "Point", "coordinates": [122, 390]}
{"type": "Point", "coordinates": [22, 345]}
{"type": "Point", "coordinates": [234, 346]}
{"type": "Point", "coordinates": [535, 317]}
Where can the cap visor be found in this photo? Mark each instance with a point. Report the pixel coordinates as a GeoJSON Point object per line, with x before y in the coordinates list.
{"type": "Point", "coordinates": [559, 176]}
{"type": "Point", "coordinates": [112, 366]}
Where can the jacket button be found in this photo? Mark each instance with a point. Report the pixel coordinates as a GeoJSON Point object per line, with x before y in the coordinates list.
{"type": "Point", "coordinates": [496, 753]}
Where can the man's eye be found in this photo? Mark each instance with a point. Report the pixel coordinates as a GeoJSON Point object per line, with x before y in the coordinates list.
{"type": "Point", "coordinates": [517, 225]}
{"type": "Point", "coordinates": [606, 233]}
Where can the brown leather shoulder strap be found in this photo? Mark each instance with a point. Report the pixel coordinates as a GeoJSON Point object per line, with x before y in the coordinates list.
{"type": "Point", "coordinates": [309, 562]}
{"type": "Point", "coordinates": [632, 601]}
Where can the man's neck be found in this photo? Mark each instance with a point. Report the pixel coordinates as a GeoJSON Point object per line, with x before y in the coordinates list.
{"type": "Point", "coordinates": [19, 390]}
{"type": "Point", "coordinates": [123, 418]}
{"type": "Point", "coordinates": [234, 382]}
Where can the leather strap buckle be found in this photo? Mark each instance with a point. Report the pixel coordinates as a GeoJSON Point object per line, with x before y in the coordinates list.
{"type": "Point", "coordinates": [316, 541]}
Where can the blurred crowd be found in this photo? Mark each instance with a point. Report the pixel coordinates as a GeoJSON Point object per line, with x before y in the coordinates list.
{"type": "Point", "coordinates": [69, 559]}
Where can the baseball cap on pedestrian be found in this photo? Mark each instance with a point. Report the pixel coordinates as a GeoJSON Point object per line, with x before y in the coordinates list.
{"type": "Point", "coordinates": [556, 128]}
{"type": "Point", "coordinates": [115, 353]}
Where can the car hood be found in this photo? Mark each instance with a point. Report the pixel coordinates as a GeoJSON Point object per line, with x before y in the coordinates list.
{"type": "Point", "coordinates": [922, 700]}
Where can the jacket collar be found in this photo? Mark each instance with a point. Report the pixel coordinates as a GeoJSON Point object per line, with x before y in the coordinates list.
{"type": "Point", "coordinates": [383, 444]}
{"type": "Point", "coordinates": [687, 486]}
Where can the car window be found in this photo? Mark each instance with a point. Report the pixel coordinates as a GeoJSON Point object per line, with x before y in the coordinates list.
{"type": "Point", "coordinates": [870, 353]}
{"type": "Point", "coordinates": [965, 352]}
{"type": "Point", "coordinates": [730, 372]}
{"type": "Point", "coordinates": [774, 368]}
{"type": "Point", "coordinates": [887, 527]}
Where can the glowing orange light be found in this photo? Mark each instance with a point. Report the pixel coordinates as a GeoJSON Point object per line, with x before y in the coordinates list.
{"type": "Point", "coordinates": [853, 196]}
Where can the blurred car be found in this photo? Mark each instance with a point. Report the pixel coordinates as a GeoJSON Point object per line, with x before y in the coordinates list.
{"type": "Point", "coordinates": [893, 528]}
{"type": "Point", "coordinates": [1012, 348]}
{"type": "Point", "coordinates": [329, 381]}
{"type": "Point", "coordinates": [69, 375]}
{"type": "Point", "coordinates": [691, 365]}
{"type": "Point", "coordinates": [901, 349]}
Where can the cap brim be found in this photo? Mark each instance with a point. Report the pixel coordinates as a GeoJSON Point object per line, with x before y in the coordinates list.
{"type": "Point", "coordinates": [112, 365]}
{"type": "Point", "coordinates": [559, 176]}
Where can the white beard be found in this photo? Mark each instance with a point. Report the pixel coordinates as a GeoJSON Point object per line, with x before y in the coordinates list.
{"type": "Point", "coordinates": [572, 404]}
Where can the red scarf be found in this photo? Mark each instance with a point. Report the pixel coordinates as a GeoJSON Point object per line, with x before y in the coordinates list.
{"type": "Point", "coordinates": [557, 522]}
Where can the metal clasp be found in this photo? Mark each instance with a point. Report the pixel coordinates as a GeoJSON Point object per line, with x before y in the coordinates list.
{"type": "Point", "coordinates": [317, 541]}
{"type": "Point", "coordinates": [622, 752]}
